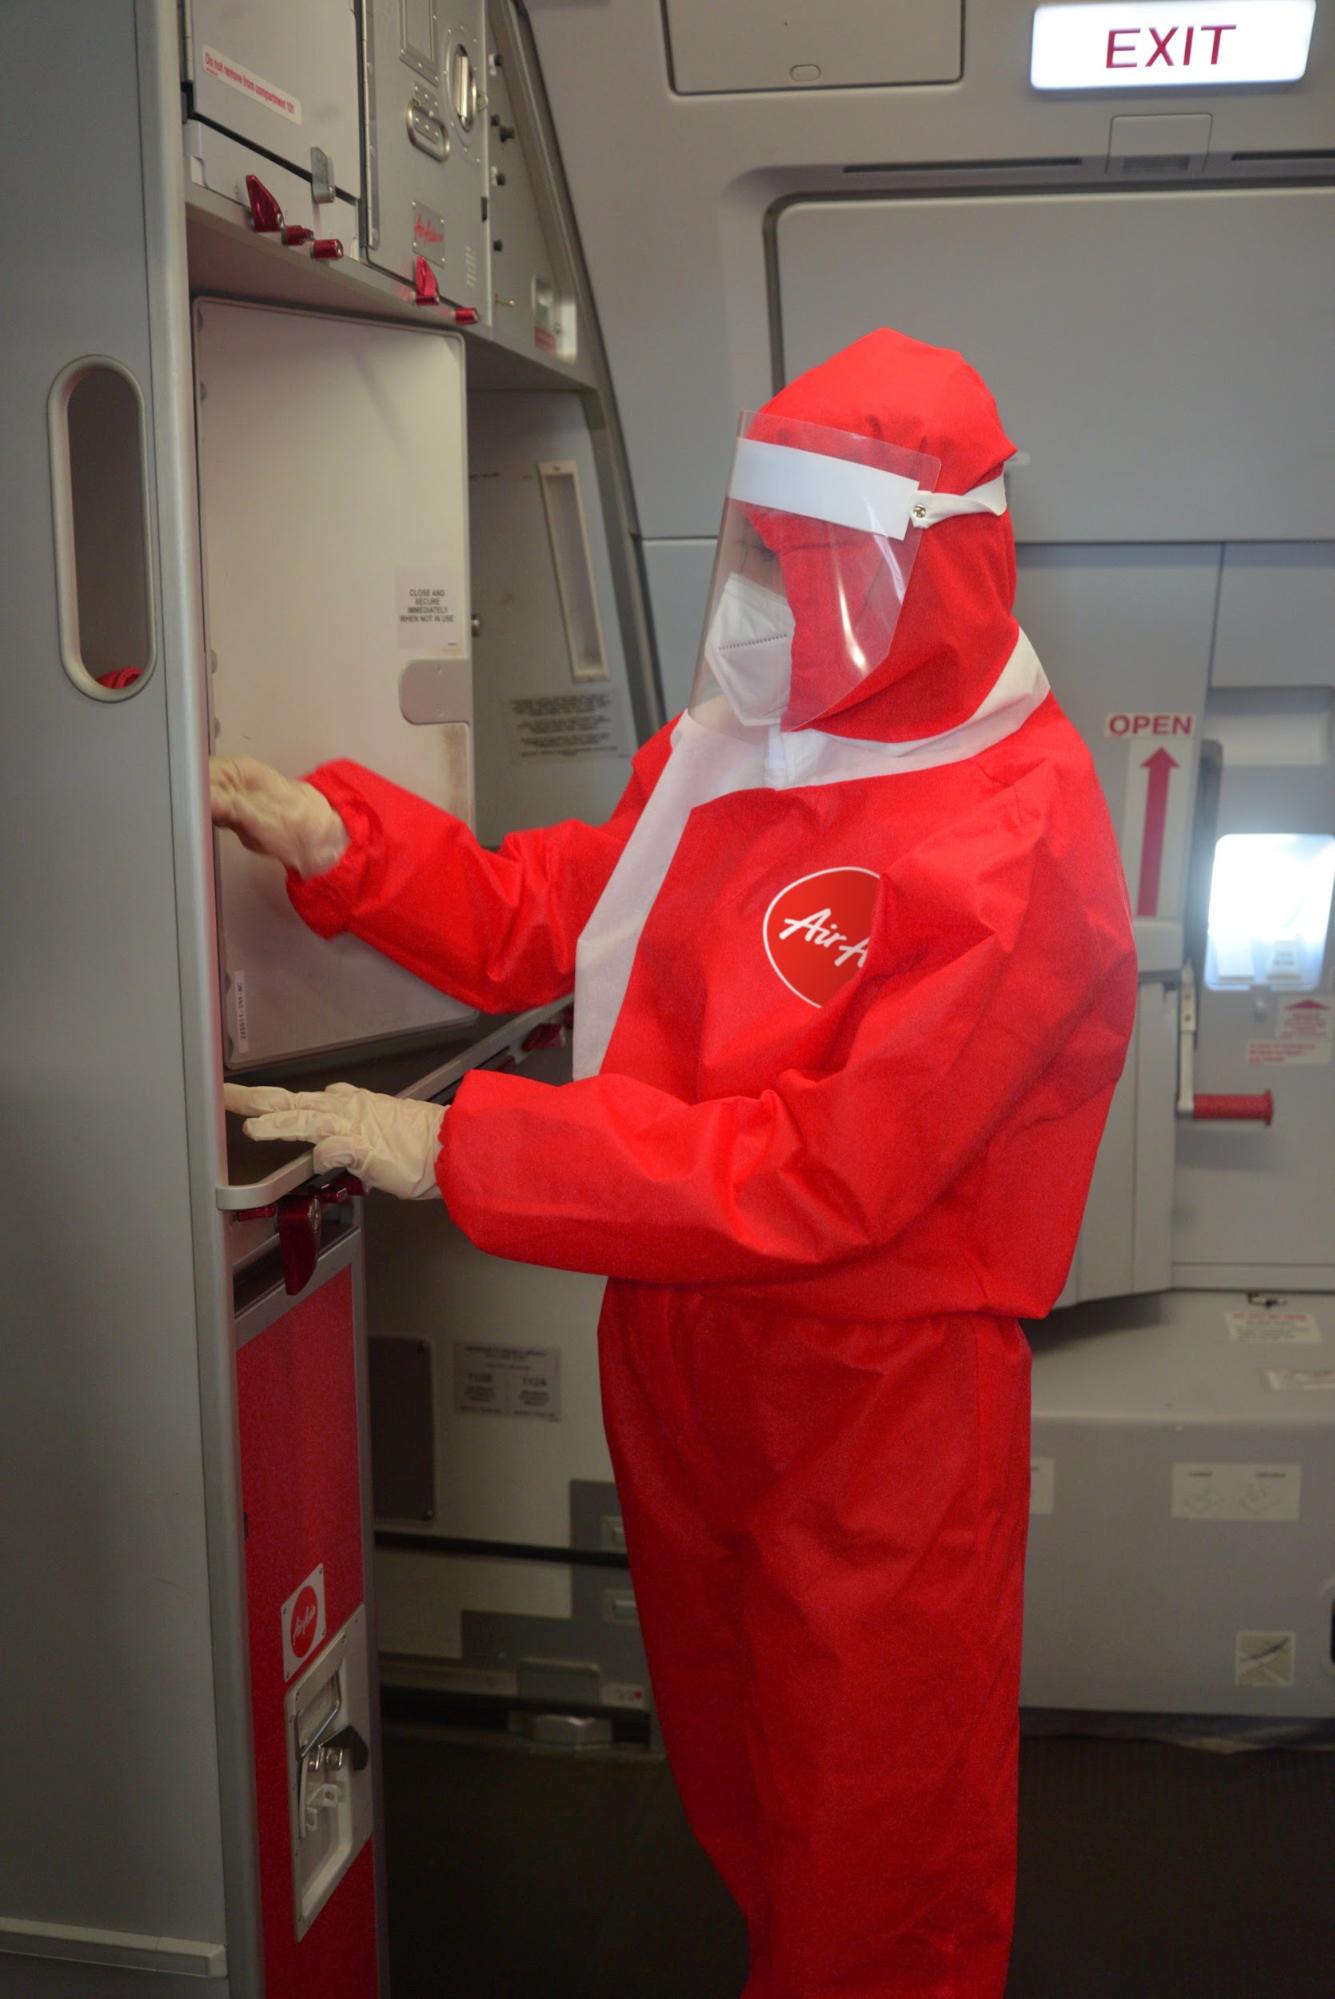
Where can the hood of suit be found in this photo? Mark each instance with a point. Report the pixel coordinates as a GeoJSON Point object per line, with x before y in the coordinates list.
{"type": "Point", "coordinates": [956, 629]}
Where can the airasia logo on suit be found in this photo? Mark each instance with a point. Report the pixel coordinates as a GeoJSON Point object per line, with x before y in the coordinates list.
{"type": "Point", "coordinates": [818, 931]}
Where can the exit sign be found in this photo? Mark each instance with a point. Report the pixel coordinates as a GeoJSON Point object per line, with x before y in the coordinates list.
{"type": "Point", "coordinates": [1166, 47]}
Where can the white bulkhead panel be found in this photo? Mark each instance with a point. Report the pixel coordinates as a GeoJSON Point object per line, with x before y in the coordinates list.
{"type": "Point", "coordinates": [1157, 396]}
{"type": "Point", "coordinates": [555, 732]}
{"type": "Point", "coordinates": [677, 573]}
{"type": "Point", "coordinates": [334, 508]}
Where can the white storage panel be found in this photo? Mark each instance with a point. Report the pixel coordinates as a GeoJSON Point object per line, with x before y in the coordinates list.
{"type": "Point", "coordinates": [333, 483]}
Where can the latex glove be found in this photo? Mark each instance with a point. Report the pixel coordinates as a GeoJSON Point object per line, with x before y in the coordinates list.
{"type": "Point", "coordinates": [282, 817]}
{"type": "Point", "coordinates": [388, 1142]}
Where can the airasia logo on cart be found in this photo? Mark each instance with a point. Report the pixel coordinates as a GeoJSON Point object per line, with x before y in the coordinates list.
{"type": "Point", "coordinates": [818, 931]}
{"type": "Point", "coordinates": [303, 1622]}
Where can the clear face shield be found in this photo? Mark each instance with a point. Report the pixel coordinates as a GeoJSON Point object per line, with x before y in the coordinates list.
{"type": "Point", "coordinates": [819, 535]}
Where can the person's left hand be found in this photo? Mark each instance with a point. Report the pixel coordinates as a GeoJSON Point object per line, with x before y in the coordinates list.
{"type": "Point", "coordinates": [388, 1142]}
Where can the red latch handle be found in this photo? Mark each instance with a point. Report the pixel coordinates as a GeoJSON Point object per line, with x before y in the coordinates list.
{"type": "Point", "coordinates": [266, 217]}
{"type": "Point", "coordinates": [424, 283]}
{"type": "Point", "coordinates": [296, 233]}
{"type": "Point", "coordinates": [548, 1032]}
{"type": "Point", "coordinates": [327, 249]}
{"type": "Point", "coordinates": [466, 315]}
{"type": "Point", "coordinates": [1253, 1110]}
{"type": "Point", "coordinates": [300, 1218]}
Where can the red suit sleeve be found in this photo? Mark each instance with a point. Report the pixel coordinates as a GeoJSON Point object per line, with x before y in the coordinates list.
{"type": "Point", "coordinates": [1014, 1012]}
{"type": "Point", "coordinates": [496, 930]}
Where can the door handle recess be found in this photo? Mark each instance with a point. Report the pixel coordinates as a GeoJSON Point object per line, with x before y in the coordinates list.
{"type": "Point", "coordinates": [99, 500]}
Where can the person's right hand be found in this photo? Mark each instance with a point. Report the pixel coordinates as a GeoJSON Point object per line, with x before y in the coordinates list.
{"type": "Point", "coordinates": [282, 817]}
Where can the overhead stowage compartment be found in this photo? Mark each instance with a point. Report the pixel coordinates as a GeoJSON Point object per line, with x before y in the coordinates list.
{"type": "Point", "coordinates": [732, 45]}
{"type": "Point", "coordinates": [1155, 354]}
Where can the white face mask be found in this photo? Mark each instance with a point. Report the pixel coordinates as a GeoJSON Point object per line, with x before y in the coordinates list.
{"type": "Point", "coordinates": [749, 650]}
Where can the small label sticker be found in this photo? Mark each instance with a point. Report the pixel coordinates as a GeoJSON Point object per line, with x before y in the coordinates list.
{"type": "Point", "coordinates": [1286, 1379]}
{"type": "Point", "coordinates": [239, 1013]}
{"type": "Point", "coordinates": [1043, 1485]}
{"type": "Point", "coordinates": [507, 1381]}
{"type": "Point", "coordinates": [1302, 1040]}
{"type": "Point", "coordinates": [622, 1693]}
{"type": "Point", "coordinates": [223, 70]}
{"type": "Point", "coordinates": [1237, 1492]}
{"type": "Point", "coordinates": [1264, 1325]}
{"type": "Point", "coordinates": [303, 1623]}
{"type": "Point", "coordinates": [424, 606]}
{"type": "Point", "coordinates": [1305, 1020]}
{"type": "Point", "coordinates": [564, 725]}
{"type": "Point", "coordinates": [1265, 1658]}
{"type": "Point", "coordinates": [1288, 1054]}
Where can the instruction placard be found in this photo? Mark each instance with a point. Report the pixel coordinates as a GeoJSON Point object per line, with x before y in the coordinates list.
{"type": "Point", "coordinates": [586, 724]}
{"type": "Point", "coordinates": [236, 76]}
{"type": "Point", "coordinates": [1237, 1492]}
{"type": "Point", "coordinates": [1303, 1037]}
{"type": "Point", "coordinates": [1273, 1325]}
{"type": "Point", "coordinates": [424, 607]}
{"type": "Point", "coordinates": [507, 1381]}
{"type": "Point", "coordinates": [1287, 1379]}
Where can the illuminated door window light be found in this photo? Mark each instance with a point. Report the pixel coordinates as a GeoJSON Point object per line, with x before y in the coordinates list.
{"type": "Point", "coordinates": [1270, 898]}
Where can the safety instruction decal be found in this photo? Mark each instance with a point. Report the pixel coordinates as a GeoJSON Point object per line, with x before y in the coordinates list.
{"type": "Point", "coordinates": [1043, 1485]}
{"type": "Point", "coordinates": [1264, 1658]}
{"type": "Point", "coordinates": [223, 70]}
{"type": "Point", "coordinates": [1285, 1379]}
{"type": "Point", "coordinates": [1273, 1325]}
{"type": "Point", "coordinates": [424, 608]}
{"type": "Point", "coordinates": [507, 1381]}
{"type": "Point", "coordinates": [564, 725]}
{"type": "Point", "coordinates": [1237, 1492]}
{"type": "Point", "coordinates": [1303, 1037]}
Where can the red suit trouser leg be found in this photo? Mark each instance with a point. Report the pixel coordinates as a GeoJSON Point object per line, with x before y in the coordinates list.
{"type": "Point", "coordinates": [826, 1524]}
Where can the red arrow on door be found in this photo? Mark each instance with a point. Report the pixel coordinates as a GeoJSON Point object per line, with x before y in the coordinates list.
{"type": "Point", "coordinates": [1160, 767]}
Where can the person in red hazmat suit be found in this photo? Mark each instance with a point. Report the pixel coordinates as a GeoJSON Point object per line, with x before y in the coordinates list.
{"type": "Point", "coordinates": [854, 980]}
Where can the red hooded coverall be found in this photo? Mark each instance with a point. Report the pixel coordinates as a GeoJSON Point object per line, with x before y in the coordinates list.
{"type": "Point", "coordinates": [821, 1213]}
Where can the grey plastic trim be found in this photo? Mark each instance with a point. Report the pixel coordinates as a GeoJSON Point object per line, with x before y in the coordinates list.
{"type": "Point", "coordinates": [62, 524]}
{"type": "Point", "coordinates": [175, 495]}
{"type": "Point", "coordinates": [71, 1944]}
{"type": "Point", "coordinates": [512, 37]}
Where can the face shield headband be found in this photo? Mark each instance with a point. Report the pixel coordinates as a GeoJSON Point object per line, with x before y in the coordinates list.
{"type": "Point", "coordinates": [815, 551]}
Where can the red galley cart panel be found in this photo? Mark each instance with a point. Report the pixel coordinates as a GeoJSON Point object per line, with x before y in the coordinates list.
{"type": "Point", "coordinates": [309, 1644]}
